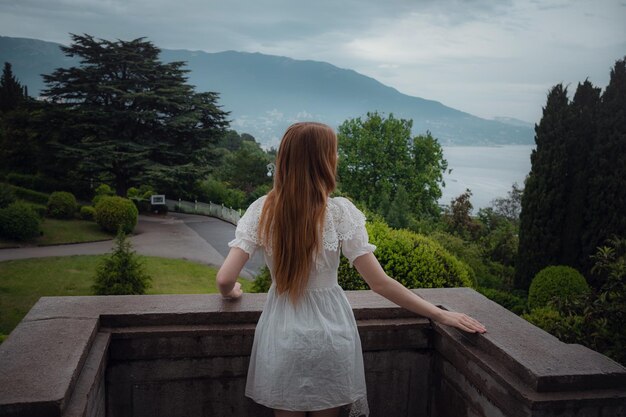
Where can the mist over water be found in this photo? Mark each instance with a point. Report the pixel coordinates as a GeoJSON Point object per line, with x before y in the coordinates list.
{"type": "Point", "coordinates": [488, 171]}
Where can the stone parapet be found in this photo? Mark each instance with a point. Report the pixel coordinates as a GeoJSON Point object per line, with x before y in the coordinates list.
{"type": "Point", "coordinates": [187, 355]}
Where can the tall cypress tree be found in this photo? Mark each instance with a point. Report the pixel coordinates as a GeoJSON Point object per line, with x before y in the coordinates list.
{"type": "Point", "coordinates": [580, 142]}
{"type": "Point", "coordinates": [543, 202]}
{"type": "Point", "coordinates": [606, 202]}
{"type": "Point", "coordinates": [137, 120]}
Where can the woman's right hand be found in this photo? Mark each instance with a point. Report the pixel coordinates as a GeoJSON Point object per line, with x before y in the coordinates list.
{"type": "Point", "coordinates": [236, 292]}
{"type": "Point", "coordinates": [461, 321]}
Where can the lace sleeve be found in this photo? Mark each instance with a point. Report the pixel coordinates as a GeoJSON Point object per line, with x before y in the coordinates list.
{"type": "Point", "coordinates": [246, 234]}
{"type": "Point", "coordinates": [351, 231]}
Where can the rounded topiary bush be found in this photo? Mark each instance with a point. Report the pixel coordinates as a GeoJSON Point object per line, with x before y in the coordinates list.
{"type": "Point", "coordinates": [61, 205]}
{"type": "Point", "coordinates": [115, 212]}
{"type": "Point", "coordinates": [18, 221]}
{"type": "Point", "coordinates": [555, 282]}
{"type": "Point", "coordinates": [412, 259]}
{"type": "Point", "coordinates": [87, 212]}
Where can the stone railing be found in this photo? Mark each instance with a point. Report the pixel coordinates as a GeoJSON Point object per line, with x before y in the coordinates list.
{"type": "Point", "coordinates": [187, 355]}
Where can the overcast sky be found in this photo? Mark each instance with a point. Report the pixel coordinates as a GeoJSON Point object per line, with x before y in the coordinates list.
{"type": "Point", "coordinates": [489, 58]}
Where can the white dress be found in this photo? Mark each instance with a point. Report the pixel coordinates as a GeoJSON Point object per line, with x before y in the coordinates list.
{"type": "Point", "coordinates": [308, 356]}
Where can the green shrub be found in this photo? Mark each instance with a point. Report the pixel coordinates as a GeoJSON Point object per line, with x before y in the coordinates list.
{"type": "Point", "coordinates": [29, 195]}
{"type": "Point", "coordinates": [115, 212]}
{"type": "Point", "coordinates": [568, 328]}
{"type": "Point", "coordinates": [511, 302]}
{"type": "Point", "coordinates": [414, 260]}
{"type": "Point", "coordinates": [61, 205]}
{"type": "Point", "coordinates": [143, 206]}
{"type": "Point", "coordinates": [7, 196]}
{"type": "Point", "coordinates": [18, 221]}
{"type": "Point", "coordinates": [103, 190]}
{"type": "Point", "coordinates": [87, 212]}
{"type": "Point", "coordinates": [122, 272]}
{"type": "Point", "coordinates": [557, 282]}
{"type": "Point", "coordinates": [34, 182]}
{"type": "Point", "coordinates": [263, 281]}
{"type": "Point", "coordinates": [132, 192]}
{"type": "Point", "coordinates": [40, 209]}
{"type": "Point", "coordinates": [212, 190]}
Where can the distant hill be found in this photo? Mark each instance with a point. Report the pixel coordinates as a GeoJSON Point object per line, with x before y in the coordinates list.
{"type": "Point", "coordinates": [266, 93]}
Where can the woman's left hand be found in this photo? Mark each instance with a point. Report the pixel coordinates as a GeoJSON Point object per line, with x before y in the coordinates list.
{"type": "Point", "coordinates": [462, 321]}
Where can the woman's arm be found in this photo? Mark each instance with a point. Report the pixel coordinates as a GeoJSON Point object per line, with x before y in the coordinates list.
{"type": "Point", "coordinates": [371, 271]}
{"type": "Point", "coordinates": [226, 278]}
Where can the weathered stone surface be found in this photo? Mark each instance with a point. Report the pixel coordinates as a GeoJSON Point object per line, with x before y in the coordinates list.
{"type": "Point", "coordinates": [182, 348]}
{"type": "Point", "coordinates": [40, 362]}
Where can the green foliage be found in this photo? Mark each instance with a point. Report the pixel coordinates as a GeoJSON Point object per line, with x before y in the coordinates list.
{"type": "Point", "coordinates": [12, 93]}
{"type": "Point", "coordinates": [510, 206]}
{"type": "Point", "coordinates": [121, 273]}
{"type": "Point", "coordinates": [40, 209]}
{"type": "Point", "coordinates": [414, 260]}
{"type": "Point", "coordinates": [34, 182]}
{"type": "Point", "coordinates": [133, 192]}
{"type": "Point", "coordinates": [87, 212]}
{"type": "Point", "coordinates": [568, 328]}
{"type": "Point", "coordinates": [7, 196]}
{"type": "Point", "coordinates": [246, 168]}
{"type": "Point", "coordinates": [501, 244]}
{"type": "Point", "coordinates": [212, 190]}
{"type": "Point", "coordinates": [143, 125]}
{"type": "Point", "coordinates": [512, 302]}
{"type": "Point", "coordinates": [263, 281]}
{"type": "Point", "coordinates": [29, 195]}
{"type": "Point", "coordinates": [377, 156]}
{"type": "Point", "coordinates": [458, 217]}
{"type": "Point", "coordinates": [103, 190]}
{"type": "Point", "coordinates": [115, 212]}
{"type": "Point", "coordinates": [555, 282]}
{"type": "Point", "coordinates": [18, 221]}
{"type": "Point", "coordinates": [61, 205]}
{"type": "Point", "coordinates": [574, 196]}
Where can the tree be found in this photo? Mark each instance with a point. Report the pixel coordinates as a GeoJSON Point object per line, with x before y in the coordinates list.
{"type": "Point", "coordinates": [12, 93]}
{"type": "Point", "coordinates": [246, 168]}
{"type": "Point", "coordinates": [606, 196]}
{"type": "Point", "coordinates": [135, 118]}
{"type": "Point", "coordinates": [543, 201]}
{"type": "Point", "coordinates": [458, 217]}
{"type": "Point", "coordinates": [510, 206]}
{"type": "Point", "coordinates": [377, 156]}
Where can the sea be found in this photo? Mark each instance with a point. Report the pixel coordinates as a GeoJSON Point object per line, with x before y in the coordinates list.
{"type": "Point", "coordinates": [488, 171]}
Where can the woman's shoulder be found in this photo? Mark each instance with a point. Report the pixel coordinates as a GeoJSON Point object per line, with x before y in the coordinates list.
{"type": "Point", "coordinates": [345, 215]}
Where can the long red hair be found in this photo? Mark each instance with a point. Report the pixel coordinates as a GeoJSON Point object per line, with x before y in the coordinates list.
{"type": "Point", "coordinates": [293, 214]}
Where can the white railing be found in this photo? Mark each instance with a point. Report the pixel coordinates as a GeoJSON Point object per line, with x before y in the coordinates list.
{"type": "Point", "coordinates": [211, 209]}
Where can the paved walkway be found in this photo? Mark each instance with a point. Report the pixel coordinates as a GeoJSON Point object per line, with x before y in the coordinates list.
{"type": "Point", "coordinates": [175, 235]}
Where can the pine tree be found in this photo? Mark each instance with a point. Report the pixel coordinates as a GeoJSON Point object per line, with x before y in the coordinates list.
{"type": "Point", "coordinates": [543, 201]}
{"type": "Point", "coordinates": [136, 119]}
{"type": "Point", "coordinates": [606, 202]}
{"type": "Point", "coordinates": [12, 94]}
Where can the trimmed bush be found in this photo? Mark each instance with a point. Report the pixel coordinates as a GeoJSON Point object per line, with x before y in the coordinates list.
{"type": "Point", "coordinates": [115, 212]}
{"type": "Point", "coordinates": [29, 195]}
{"type": "Point", "coordinates": [61, 205]}
{"type": "Point", "coordinates": [40, 209]}
{"type": "Point", "coordinates": [87, 212]}
{"type": "Point", "coordinates": [122, 272]}
{"type": "Point", "coordinates": [555, 282]}
{"type": "Point", "coordinates": [132, 192]}
{"type": "Point", "coordinates": [103, 190]}
{"type": "Point", "coordinates": [34, 182]}
{"type": "Point", "coordinates": [7, 196]}
{"type": "Point", "coordinates": [414, 260]}
{"type": "Point", "coordinates": [18, 221]}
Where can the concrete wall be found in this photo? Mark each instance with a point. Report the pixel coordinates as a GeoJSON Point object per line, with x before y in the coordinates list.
{"type": "Point", "coordinates": [187, 355]}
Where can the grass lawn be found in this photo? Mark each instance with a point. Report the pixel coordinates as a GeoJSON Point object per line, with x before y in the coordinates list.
{"type": "Point", "coordinates": [57, 231]}
{"type": "Point", "coordinates": [23, 281]}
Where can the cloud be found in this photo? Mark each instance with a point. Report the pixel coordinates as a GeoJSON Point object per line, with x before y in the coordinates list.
{"type": "Point", "coordinates": [486, 57]}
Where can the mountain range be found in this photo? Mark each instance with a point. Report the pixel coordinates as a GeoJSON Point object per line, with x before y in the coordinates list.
{"type": "Point", "coordinates": [264, 93]}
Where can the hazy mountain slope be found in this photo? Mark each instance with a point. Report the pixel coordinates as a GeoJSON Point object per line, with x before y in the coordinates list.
{"type": "Point", "coordinates": [267, 93]}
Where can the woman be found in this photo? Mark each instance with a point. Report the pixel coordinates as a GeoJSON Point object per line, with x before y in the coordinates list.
{"type": "Point", "coordinates": [306, 356]}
